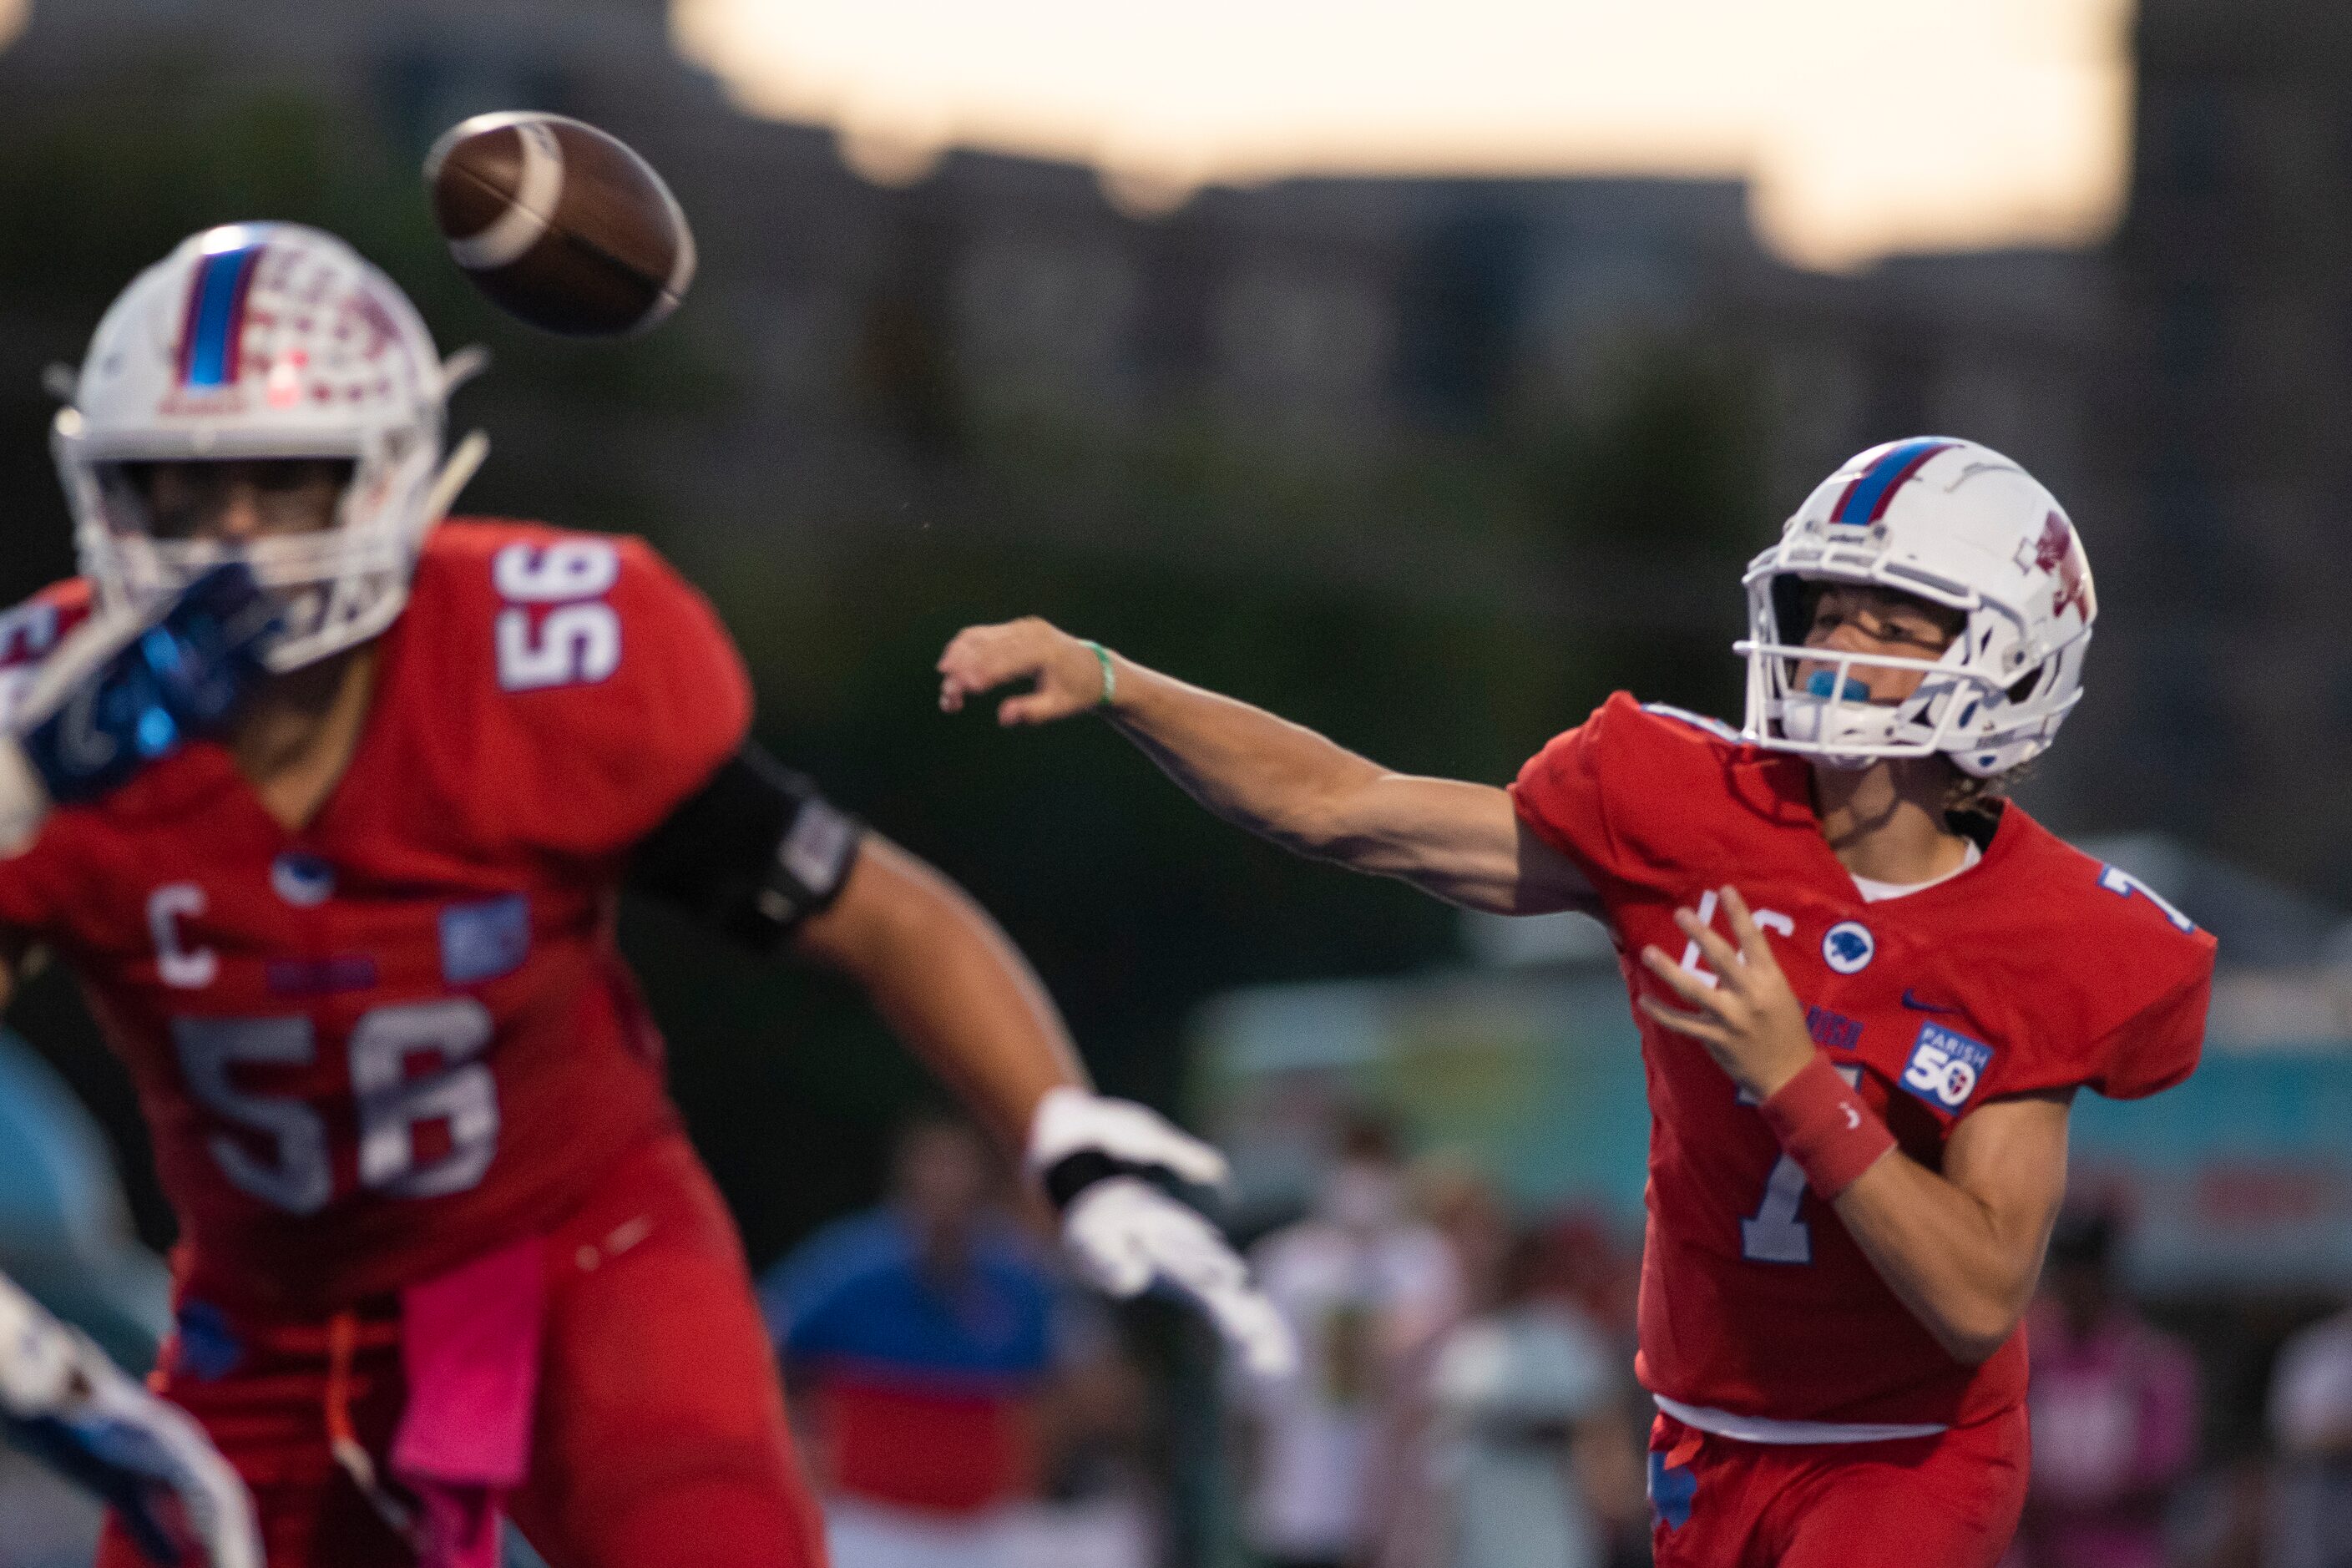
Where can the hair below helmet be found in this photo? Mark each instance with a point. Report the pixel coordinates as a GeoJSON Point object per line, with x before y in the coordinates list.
{"type": "Point", "coordinates": [1956, 525]}
{"type": "Point", "coordinates": [257, 342]}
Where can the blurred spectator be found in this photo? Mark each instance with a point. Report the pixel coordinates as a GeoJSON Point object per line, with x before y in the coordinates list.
{"type": "Point", "coordinates": [925, 1343]}
{"type": "Point", "coordinates": [1408, 1528]}
{"type": "Point", "coordinates": [1367, 1289]}
{"type": "Point", "coordinates": [1523, 1395]}
{"type": "Point", "coordinates": [2311, 1423]}
{"type": "Point", "coordinates": [2114, 1408]}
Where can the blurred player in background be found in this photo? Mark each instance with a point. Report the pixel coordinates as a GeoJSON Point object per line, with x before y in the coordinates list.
{"type": "Point", "coordinates": [444, 1247]}
{"type": "Point", "coordinates": [2310, 1524]}
{"type": "Point", "coordinates": [1867, 987]}
{"type": "Point", "coordinates": [62, 1399]}
{"type": "Point", "coordinates": [931, 1350]}
{"type": "Point", "coordinates": [2113, 1404]}
{"type": "Point", "coordinates": [1366, 1286]}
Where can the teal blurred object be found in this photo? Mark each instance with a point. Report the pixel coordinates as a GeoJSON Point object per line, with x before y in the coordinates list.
{"type": "Point", "coordinates": [65, 1232]}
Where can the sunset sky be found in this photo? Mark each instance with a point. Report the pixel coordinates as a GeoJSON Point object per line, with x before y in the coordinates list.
{"type": "Point", "coordinates": [1865, 125]}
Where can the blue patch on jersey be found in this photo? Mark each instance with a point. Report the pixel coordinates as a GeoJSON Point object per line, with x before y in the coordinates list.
{"type": "Point", "coordinates": [302, 879]}
{"type": "Point", "coordinates": [1672, 1490]}
{"type": "Point", "coordinates": [1832, 1031]}
{"type": "Point", "coordinates": [482, 941]}
{"type": "Point", "coordinates": [1848, 947]}
{"type": "Point", "coordinates": [1944, 1067]}
{"type": "Point", "coordinates": [207, 1348]}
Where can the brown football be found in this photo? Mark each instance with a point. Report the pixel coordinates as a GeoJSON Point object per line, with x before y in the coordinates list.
{"type": "Point", "coordinates": [560, 223]}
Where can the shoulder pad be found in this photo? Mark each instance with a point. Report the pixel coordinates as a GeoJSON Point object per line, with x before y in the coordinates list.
{"type": "Point", "coordinates": [603, 688]}
{"type": "Point", "coordinates": [1715, 727]}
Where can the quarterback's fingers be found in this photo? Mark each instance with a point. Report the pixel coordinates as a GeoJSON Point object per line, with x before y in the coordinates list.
{"type": "Point", "coordinates": [1682, 982]}
{"type": "Point", "coordinates": [1753, 945]}
{"type": "Point", "coordinates": [1725, 958]}
{"type": "Point", "coordinates": [1696, 1026]}
{"type": "Point", "coordinates": [1037, 708]}
{"type": "Point", "coordinates": [978, 658]}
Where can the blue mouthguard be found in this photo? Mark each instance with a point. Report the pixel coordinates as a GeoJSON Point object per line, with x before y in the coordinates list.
{"type": "Point", "coordinates": [1824, 684]}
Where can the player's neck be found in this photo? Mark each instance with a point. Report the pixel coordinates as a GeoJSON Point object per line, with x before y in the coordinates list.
{"type": "Point", "coordinates": [298, 739]}
{"type": "Point", "coordinates": [1886, 823]}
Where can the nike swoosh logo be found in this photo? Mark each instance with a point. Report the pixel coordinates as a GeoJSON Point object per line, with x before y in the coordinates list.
{"type": "Point", "coordinates": [1918, 1006]}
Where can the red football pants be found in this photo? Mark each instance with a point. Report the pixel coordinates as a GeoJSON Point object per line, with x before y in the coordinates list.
{"type": "Point", "coordinates": [659, 1435]}
{"type": "Point", "coordinates": [1947, 1502]}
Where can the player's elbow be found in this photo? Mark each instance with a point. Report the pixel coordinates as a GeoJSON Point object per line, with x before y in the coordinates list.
{"type": "Point", "coordinates": [1322, 826]}
{"type": "Point", "coordinates": [1973, 1331]}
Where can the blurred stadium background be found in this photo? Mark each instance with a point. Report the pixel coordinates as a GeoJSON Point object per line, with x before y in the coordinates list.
{"type": "Point", "coordinates": [1429, 460]}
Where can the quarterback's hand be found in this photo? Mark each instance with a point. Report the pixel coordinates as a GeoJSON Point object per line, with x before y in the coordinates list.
{"type": "Point", "coordinates": [1066, 675]}
{"type": "Point", "coordinates": [129, 686]}
{"type": "Point", "coordinates": [1123, 1234]}
{"type": "Point", "coordinates": [1749, 1019]}
{"type": "Point", "coordinates": [63, 1400]}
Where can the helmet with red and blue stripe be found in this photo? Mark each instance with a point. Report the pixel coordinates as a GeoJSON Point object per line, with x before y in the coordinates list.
{"type": "Point", "coordinates": [264, 341]}
{"type": "Point", "coordinates": [1957, 525]}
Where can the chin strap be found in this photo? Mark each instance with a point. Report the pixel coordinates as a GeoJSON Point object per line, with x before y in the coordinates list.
{"type": "Point", "coordinates": [457, 470]}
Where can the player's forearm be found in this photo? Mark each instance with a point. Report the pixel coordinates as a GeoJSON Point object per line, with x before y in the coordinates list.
{"type": "Point", "coordinates": [951, 986]}
{"type": "Point", "coordinates": [1462, 842]}
{"type": "Point", "coordinates": [1250, 767]}
{"type": "Point", "coordinates": [1947, 1256]}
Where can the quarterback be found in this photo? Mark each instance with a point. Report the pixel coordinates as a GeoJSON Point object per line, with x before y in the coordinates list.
{"type": "Point", "coordinates": [328, 808]}
{"type": "Point", "coordinates": [1867, 988]}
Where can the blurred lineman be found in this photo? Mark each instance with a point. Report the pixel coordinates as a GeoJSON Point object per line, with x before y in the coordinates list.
{"type": "Point", "coordinates": [62, 1399]}
{"type": "Point", "coordinates": [445, 1245]}
{"type": "Point", "coordinates": [1867, 987]}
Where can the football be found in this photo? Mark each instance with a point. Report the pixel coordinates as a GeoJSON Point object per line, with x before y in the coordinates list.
{"type": "Point", "coordinates": [561, 224]}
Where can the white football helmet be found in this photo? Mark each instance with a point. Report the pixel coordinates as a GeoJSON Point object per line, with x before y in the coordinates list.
{"type": "Point", "coordinates": [266, 340]}
{"type": "Point", "coordinates": [1956, 525]}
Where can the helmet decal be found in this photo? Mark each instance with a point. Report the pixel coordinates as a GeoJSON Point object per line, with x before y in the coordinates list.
{"type": "Point", "coordinates": [1867, 499]}
{"type": "Point", "coordinates": [210, 343]}
{"type": "Point", "coordinates": [2059, 552]}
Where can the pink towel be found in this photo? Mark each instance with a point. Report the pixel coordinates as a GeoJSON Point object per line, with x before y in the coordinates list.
{"type": "Point", "coordinates": [470, 1343]}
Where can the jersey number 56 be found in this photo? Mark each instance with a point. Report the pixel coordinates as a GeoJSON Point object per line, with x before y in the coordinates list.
{"type": "Point", "coordinates": [575, 638]}
{"type": "Point", "coordinates": [299, 1175]}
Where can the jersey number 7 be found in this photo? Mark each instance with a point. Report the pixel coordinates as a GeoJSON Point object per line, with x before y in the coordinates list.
{"type": "Point", "coordinates": [1774, 1234]}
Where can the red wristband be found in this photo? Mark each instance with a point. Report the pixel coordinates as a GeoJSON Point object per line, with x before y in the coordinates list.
{"type": "Point", "coordinates": [1821, 1122]}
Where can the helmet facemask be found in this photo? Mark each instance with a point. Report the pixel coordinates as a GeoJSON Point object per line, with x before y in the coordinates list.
{"type": "Point", "coordinates": [1830, 713]}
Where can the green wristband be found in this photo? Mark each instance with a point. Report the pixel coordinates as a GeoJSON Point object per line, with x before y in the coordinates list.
{"type": "Point", "coordinates": [1110, 676]}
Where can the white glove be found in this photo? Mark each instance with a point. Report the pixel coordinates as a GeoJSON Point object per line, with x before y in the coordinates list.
{"type": "Point", "coordinates": [61, 1397]}
{"type": "Point", "coordinates": [1123, 1234]}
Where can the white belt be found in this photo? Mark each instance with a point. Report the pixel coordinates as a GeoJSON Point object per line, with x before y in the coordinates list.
{"type": "Point", "coordinates": [1764, 1430]}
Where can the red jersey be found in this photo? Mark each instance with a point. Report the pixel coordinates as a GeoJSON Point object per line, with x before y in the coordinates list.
{"type": "Point", "coordinates": [395, 1039]}
{"type": "Point", "coordinates": [2037, 968]}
